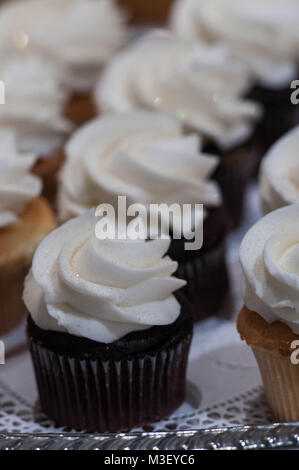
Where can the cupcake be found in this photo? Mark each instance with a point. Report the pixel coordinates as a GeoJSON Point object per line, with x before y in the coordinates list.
{"type": "Point", "coordinates": [263, 35]}
{"type": "Point", "coordinates": [25, 219]}
{"type": "Point", "coordinates": [147, 12]}
{"type": "Point", "coordinates": [279, 175]}
{"type": "Point", "coordinates": [109, 341]}
{"type": "Point", "coordinates": [144, 156]}
{"type": "Point", "coordinates": [269, 321]}
{"type": "Point", "coordinates": [33, 111]}
{"type": "Point", "coordinates": [74, 36]}
{"type": "Point", "coordinates": [202, 88]}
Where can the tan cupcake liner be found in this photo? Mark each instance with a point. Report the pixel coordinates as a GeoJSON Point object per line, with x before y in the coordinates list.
{"type": "Point", "coordinates": [281, 383]}
{"type": "Point", "coordinates": [12, 309]}
{"type": "Point", "coordinates": [17, 246]}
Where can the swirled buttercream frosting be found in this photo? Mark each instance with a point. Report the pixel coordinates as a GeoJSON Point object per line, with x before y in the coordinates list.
{"type": "Point", "coordinates": [34, 104]}
{"type": "Point", "coordinates": [279, 175]}
{"type": "Point", "coordinates": [270, 260]}
{"type": "Point", "coordinates": [263, 34]}
{"type": "Point", "coordinates": [198, 84]}
{"type": "Point", "coordinates": [142, 155]}
{"type": "Point", "coordinates": [17, 185]}
{"type": "Point", "coordinates": [100, 289]}
{"type": "Point", "coordinates": [75, 36]}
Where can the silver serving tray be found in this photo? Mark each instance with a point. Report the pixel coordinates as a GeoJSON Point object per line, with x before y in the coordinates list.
{"type": "Point", "coordinates": [277, 436]}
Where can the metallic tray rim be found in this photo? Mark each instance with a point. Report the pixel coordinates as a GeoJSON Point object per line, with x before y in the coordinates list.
{"type": "Point", "coordinates": [273, 436]}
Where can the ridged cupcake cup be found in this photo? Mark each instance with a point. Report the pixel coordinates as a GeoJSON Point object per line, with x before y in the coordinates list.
{"type": "Point", "coordinates": [205, 270]}
{"type": "Point", "coordinates": [271, 345]}
{"type": "Point", "coordinates": [281, 383]}
{"type": "Point", "coordinates": [280, 115]}
{"type": "Point", "coordinates": [233, 174]}
{"type": "Point", "coordinates": [99, 387]}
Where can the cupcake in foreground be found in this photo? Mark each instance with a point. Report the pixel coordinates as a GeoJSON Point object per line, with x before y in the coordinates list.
{"type": "Point", "coordinates": [144, 156]}
{"type": "Point", "coordinates": [25, 219]}
{"type": "Point", "coordinates": [262, 34]}
{"type": "Point", "coordinates": [279, 175]}
{"type": "Point", "coordinates": [202, 88]}
{"type": "Point", "coordinates": [109, 341]}
{"type": "Point", "coordinates": [269, 321]}
{"type": "Point", "coordinates": [76, 37]}
{"type": "Point", "coordinates": [33, 111]}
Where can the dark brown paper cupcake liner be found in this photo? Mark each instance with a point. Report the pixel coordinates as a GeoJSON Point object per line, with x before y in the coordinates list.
{"type": "Point", "coordinates": [233, 175]}
{"type": "Point", "coordinates": [207, 281]}
{"type": "Point", "coordinates": [98, 393]}
{"type": "Point", "coordinates": [280, 115]}
{"type": "Point", "coordinates": [205, 270]}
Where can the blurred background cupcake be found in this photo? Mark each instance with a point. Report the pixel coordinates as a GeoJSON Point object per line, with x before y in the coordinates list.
{"type": "Point", "coordinates": [264, 36]}
{"type": "Point", "coordinates": [144, 156]}
{"type": "Point", "coordinates": [33, 111]}
{"type": "Point", "coordinates": [25, 219]}
{"type": "Point", "coordinates": [75, 37]}
{"type": "Point", "coordinates": [147, 12]}
{"type": "Point", "coordinates": [279, 175]}
{"type": "Point", "coordinates": [105, 331]}
{"type": "Point", "coordinates": [199, 85]}
{"type": "Point", "coordinates": [269, 322]}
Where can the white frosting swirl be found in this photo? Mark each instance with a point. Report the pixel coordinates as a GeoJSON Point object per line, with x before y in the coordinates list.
{"type": "Point", "coordinates": [263, 34]}
{"type": "Point", "coordinates": [142, 155]}
{"type": "Point", "coordinates": [75, 36]}
{"type": "Point", "coordinates": [197, 84]}
{"type": "Point", "coordinates": [33, 107]}
{"type": "Point", "coordinates": [17, 185]}
{"type": "Point", "coordinates": [279, 175]}
{"type": "Point", "coordinates": [270, 260]}
{"type": "Point", "coordinates": [100, 289]}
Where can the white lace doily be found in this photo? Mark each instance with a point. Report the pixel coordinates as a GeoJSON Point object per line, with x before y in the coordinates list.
{"type": "Point", "coordinates": [224, 386]}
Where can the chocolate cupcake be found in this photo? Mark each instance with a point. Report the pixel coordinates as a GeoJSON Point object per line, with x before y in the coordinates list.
{"type": "Point", "coordinates": [74, 37]}
{"type": "Point", "coordinates": [205, 270]}
{"type": "Point", "coordinates": [279, 175]}
{"type": "Point", "coordinates": [33, 110]}
{"type": "Point", "coordinates": [25, 219]}
{"type": "Point", "coordinates": [145, 157]}
{"type": "Point", "coordinates": [108, 339]}
{"type": "Point", "coordinates": [201, 86]}
{"type": "Point", "coordinates": [269, 322]}
{"type": "Point", "coordinates": [263, 35]}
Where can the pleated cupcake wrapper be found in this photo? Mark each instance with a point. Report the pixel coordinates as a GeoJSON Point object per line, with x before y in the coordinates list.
{"type": "Point", "coordinates": [110, 396]}
{"type": "Point", "coordinates": [233, 178]}
{"type": "Point", "coordinates": [281, 383]}
{"type": "Point", "coordinates": [207, 279]}
{"type": "Point", "coordinates": [279, 116]}
{"type": "Point", "coordinates": [12, 308]}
